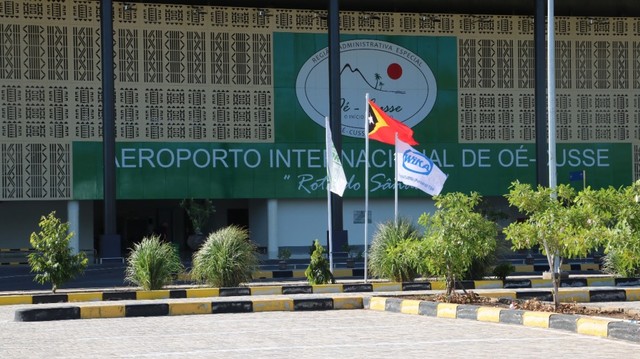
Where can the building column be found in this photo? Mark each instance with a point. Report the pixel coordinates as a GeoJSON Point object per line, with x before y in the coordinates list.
{"type": "Point", "coordinates": [73, 216]}
{"type": "Point", "coordinates": [272, 228]}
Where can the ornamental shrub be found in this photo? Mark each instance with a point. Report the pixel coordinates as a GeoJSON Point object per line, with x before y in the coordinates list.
{"type": "Point", "coordinates": [394, 253]}
{"type": "Point", "coordinates": [318, 271]}
{"type": "Point", "coordinates": [152, 263]}
{"type": "Point", "coordinates": [226, 259]}
{"type": "Point", "coordinates": [454, 236]}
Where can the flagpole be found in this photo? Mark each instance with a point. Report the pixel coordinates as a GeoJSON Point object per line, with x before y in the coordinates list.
{"type": "Point", "coordinates": [366, 182]}
{"type": "Point", "coordinates": [584, 179]}
{"type": "Point", "coordinates": [395, 194]}
{"type": "Point", "coordinates": [328, 159]}
{"type": "Point", "coordinates": [329, 231]}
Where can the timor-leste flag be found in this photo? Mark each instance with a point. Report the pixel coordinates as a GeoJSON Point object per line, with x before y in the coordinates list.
{"type": "Point", "coordinates": [383, 127]}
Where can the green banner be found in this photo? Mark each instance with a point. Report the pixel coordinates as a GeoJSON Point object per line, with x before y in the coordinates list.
{"type": "Point", "coordinates": [211, 170]}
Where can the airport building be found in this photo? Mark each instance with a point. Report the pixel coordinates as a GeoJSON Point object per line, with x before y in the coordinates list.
{"type": "Point", "coordinates": [226, 101]}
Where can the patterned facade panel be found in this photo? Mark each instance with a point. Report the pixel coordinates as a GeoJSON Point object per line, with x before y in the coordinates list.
{"type": "Point", "coordinates": [12, 171]}
{"type": "Point", "coordinates": [505, 66]}
{"type": "Point", "coordinates": [57, 53]}
{"type": "Point", "coordinates": [426, 23]}
{"type": "Point", "coordinates": [467, 63]}
{"type": "Point", "coordinates": [564, 78]}
{"type": "Point", "coordinates": [10, 51]}
{"type": "Point", "coordinates": [128, 61]}
{"type": "Point", "coordinates": [310, 20]}
{"type": "Point", "coordinates": [160, 50]}
{"type": "Point", "coordinates": [593, 58]}
{"type": "Point", "coordinates": [33, 52]}
{"type": "Point", "coordinates": [85, 53]}
{"type": "Point", "coordinates": [620, 64]}
{"type": "Point", "coordinates": [162, 47]}
{"type": "Point", "coordinates": [35, 171]}
{"type": "Point", "coordinates": [526, 64]}
{"type": "Point", "coordinates": [196, 57]}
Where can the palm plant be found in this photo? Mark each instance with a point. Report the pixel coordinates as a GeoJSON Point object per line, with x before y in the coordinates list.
{"type": "Point", "coordinates": [226, 259]}
{"type": "Point", "coordinates": [393, 253]}
{"type": "Point", "coordinates": [621, 263]}
{"type": "Point", "coordinates": [152, 263]}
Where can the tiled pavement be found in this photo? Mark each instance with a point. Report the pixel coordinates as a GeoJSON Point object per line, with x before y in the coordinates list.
{"type": "Point", "coordinates": [307, 334]}
{"type": "Point", "coordinates": [272, 330]}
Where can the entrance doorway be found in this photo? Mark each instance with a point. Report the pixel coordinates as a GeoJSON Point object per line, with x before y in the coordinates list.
{"type": "Point", "coordinates": [238, 216]}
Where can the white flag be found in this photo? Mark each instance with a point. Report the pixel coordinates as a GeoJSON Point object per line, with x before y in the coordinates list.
{"type": "Point", "coordinates": [335, 172]}
{"type": "Point", "coordinates": [417, 170]}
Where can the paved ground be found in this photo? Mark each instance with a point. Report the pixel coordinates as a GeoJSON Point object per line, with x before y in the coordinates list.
{"type": "Point", "coordinates": [324, 334]}
{"type": "Point", "coordinates": [336, 334]}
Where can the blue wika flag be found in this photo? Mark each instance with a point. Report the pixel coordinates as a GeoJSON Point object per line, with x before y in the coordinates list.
{"type": "Point", "coordinates": [576, 176]}
{"type": "Point", "coordinates": [417, 170]}
{"type": "Point", "coordinates": [579, 176]}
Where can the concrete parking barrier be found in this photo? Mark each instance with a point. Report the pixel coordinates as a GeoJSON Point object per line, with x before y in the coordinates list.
{"type": "Point", "coordinates": [569, 293]}
{"type": "Point", "coordinates": [186, 308]}
{"type": "Point", "coordinates": [600, 327]}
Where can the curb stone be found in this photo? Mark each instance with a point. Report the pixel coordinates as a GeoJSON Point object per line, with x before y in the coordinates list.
{"type": "Point", "coordinates": [568, 294]}
{"type": "Point", "coordinates": [186, 308]}
{"type": "Point", "coordinates": [605, 328]}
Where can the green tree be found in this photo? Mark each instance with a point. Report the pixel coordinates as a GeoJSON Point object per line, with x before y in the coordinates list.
{"type": "Point", "coordinates": [561, 223]}
{"type": "Point", "coordinates": [152, 263]}
{"type": "Point", "coordinates": [455, 234]}
{"type": "Point", "coordinates": [618, 210]}
{"type": "Point", "coordinates": [318, 271]}
{"type": "Point", "coordinates": [53, 260]}
{"type": "Point", "coordinates": [393, 252]}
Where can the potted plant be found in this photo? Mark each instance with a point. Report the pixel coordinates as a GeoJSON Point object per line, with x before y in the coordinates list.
{"type": "Point", "coordinates": [199, 212]}
{"type": "Point", "coordinates": [283, 255]}
{"type": "Point", "coordinates": [503, 270]}
{"type": "Point", "coordinates": [352, 255]}
{"type": "Point", "coordinates": [529, 259]}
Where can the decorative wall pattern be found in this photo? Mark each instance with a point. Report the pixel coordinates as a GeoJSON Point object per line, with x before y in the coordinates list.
{"type": "Point", "coordinates": [35, 171]}
{"type": "Point", "coordinates": [182, 73]}
{"type": "Point", "coordinates": [201, 73]}
{"type": "Point", "coordinates": [596, 80]}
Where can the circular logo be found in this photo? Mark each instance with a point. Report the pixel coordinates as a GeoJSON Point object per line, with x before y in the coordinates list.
{"type": "Point", "coordinates": [399, 81]}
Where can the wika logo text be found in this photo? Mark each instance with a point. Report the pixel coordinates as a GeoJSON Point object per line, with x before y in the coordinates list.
{"type": "Point", "coordinates": [416, 162]}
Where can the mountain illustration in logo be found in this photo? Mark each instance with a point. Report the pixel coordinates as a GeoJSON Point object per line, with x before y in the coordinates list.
{"type": "Point", "coordinates": [398, 80]}
{"type": "Point", "coordinates": [378, 84]}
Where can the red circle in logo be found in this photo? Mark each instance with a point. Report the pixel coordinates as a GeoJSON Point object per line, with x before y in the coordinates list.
{"type": "Point", "coordinates": [394, 71]}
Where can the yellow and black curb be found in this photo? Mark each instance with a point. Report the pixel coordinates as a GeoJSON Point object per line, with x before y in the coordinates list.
{"type": "Point", "coordinates": [599, 327]}
{"type": "Point", "coordinates": [627, 289]}
{"type": "Point", "coordinates": [359, 272]}
{"type": "Point", "coordinates": [213, 292]}
{"type": "Point", "coordinates": [186, 308]}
